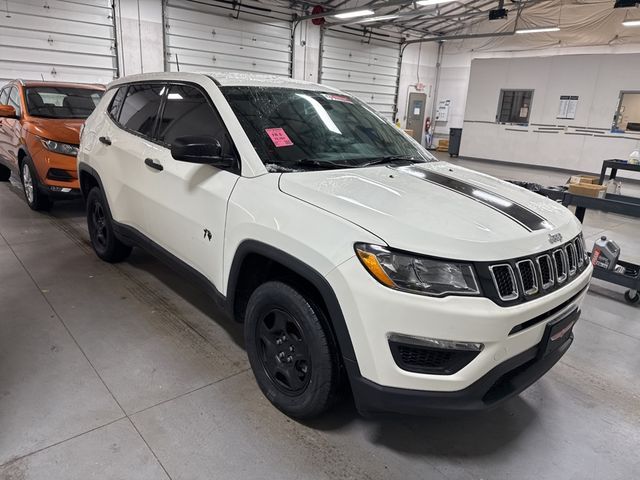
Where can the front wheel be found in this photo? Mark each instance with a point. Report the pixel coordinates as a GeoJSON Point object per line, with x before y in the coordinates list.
{"type": "Point", "coordinates": [36, 199]}
{"type": "Point", "coordinates": [103, 239]}
{"type": "Point", "coordinates": [291, 352]}
{"type": "Point", "coordinates": [5, 173]}
{"type": "Point", "coordinates": [632, 298]}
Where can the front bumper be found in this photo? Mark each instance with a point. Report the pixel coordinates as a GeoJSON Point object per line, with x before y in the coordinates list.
{"type": "Point", "coordinates": [510, 337]}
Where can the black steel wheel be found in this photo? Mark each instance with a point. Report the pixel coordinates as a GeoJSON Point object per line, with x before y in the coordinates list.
{"type": "Point", "coordinates": [104, 241]}
{"type": "Point", "coordinates": [291, 350]}
{"type": "Point", "coordinates": [632, 299]}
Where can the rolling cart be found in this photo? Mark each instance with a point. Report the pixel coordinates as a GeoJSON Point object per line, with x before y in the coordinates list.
{"type": "Point", "coordinates": [620, 204]}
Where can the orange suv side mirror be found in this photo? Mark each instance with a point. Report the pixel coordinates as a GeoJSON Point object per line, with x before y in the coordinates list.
{"type": "Point", "coordinates": [7, 111]}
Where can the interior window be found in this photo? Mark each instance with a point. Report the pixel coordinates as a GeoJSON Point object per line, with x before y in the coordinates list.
{"type": "Point", "coordinates": [140, 108]}
{"type": "Point", "coordinates": [514, 106]}
{"type": "Point", "coordinates": [627, 118]}
{"type": "Point", "coordinates": [114, 108]}
{"type": "Point", "coordinates": [4, 95]}
{"type": "Point", "coordinates": [188, 113]}
{"type": "Point", "coordinates": [14, 100]}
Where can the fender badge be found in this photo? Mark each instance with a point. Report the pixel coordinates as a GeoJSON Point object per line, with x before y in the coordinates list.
{"type": "Point", "coordinates": [555, 237]}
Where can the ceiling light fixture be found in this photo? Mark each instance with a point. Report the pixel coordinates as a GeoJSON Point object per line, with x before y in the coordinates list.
{"type": "Point", "coordinates": [631, 23]}
{"type": "Point", "coordinates": [538, 30]}
{"type": "Point", "coordinates": [378, 19]}
{"type": "Point", "coordinates": [433, 2]}
{"type": "Point", "coordinates": [354, 14]}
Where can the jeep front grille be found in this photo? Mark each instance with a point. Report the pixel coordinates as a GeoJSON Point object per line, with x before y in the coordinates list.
{"type": "Point", "coordinates": [524, 279]}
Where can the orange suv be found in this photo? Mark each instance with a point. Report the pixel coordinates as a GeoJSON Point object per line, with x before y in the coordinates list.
{"type": "Point", "coordinates": [40, 126]}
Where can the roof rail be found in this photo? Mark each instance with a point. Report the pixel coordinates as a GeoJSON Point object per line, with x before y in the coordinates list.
{"type": "Point", "coordinates": [20, 81]}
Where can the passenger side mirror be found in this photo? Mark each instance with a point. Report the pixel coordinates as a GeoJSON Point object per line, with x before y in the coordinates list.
{"type": "Point", "coordinates": [203, 150]}
{"type": "Point", "coordinates": [8, 111]}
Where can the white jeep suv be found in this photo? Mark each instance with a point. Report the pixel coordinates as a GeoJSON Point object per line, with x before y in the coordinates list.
{"type": "Point", "coordinates": [345, 248]}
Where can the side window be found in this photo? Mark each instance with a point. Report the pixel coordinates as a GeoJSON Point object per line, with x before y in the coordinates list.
{"type": "Point", "coordinates": [140, 108]}
{"type": "Point", "coordinates": [116, 102]}
{"type": "Point", "coordinates": [4, 96]}
{"type": "Point", "coordinates": [14, 100]}
{"type": "Point", "coordinates": [187, 112]}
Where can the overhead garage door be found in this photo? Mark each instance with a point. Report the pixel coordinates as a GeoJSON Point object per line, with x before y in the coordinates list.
{"type": "Point", "coordinates": [224, 36]}
{"type": "Point", "coordinates": [63, 40]}
{"type": "Point", "coordinates": [363, 65]}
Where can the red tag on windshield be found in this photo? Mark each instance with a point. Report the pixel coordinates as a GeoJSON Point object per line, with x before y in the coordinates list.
{"type": "Point", "coordinates": [279, 137]}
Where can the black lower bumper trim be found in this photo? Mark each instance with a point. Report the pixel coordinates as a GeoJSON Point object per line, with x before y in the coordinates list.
{"type": "Point", "coordinates": [503, 382]}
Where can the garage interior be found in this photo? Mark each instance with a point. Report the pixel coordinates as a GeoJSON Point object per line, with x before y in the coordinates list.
{"type": "Point", "coordinates": [128, 371]}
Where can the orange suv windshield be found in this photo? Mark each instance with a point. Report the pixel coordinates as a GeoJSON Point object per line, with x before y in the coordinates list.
{"type": "Point", "coordinates": [61, 102]}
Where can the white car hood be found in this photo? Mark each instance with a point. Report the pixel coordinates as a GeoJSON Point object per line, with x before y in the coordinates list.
{"type": "Point", "coordinates": [438, 209]}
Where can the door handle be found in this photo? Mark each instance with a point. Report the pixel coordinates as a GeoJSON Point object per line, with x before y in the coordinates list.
{"type": "Point", "coordinates": [150, 162]}
{"type": "Point", "coordinates": [105, 140]}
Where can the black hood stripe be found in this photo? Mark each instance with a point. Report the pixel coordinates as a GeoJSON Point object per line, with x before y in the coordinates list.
{"type": "Point", "coordinates": [520, 214]}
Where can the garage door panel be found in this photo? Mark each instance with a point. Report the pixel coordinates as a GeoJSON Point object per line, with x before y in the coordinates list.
{"type": "Point", "coordinates": [333, 42]}
{"type": "Point", "coordinates": [13, 70]}
{"type": "Point", "coordinates": [60, 40]}
{"type": "Point", "coordinates": [205, 35]}
{"type": "Point", "coordinates": [358, 67]}
{"type": "Point", "coordinates": [336, 75]}
{"type": "Point", "coordinates": [44, 43]}
{"type": "Point", "coordinates": [366, 67]}
{"type": "Point", "coordinates": [190, 62]}
{"type": "Point", "coordinates": [60, 10]}
{"type": "Point", "coordinates": [244, 46]}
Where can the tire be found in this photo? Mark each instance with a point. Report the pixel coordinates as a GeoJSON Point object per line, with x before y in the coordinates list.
{"type": "Point", "coordinates": [292, 354]}
{"type": "Point", "coordinates": [5, 173]}
{"type": "Point", "coordinates": [36, 199]}
{"type": "Point", "coordinates": [103, 239]}
{"type": "Point", "coordinates": [630, 299]}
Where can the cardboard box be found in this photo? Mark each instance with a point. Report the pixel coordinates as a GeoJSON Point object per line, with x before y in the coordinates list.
{"type": "Point", "coordinates": [588, 179]}
{"type": "Point", "coordinates": [588, 190]}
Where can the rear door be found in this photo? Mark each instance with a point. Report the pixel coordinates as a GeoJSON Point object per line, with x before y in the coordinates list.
{"type": "Point", "coordinates": [187, 202]}
{"type": "Point", "coordinates": [122, 148]}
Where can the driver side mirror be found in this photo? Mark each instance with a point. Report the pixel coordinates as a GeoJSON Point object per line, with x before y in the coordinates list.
{"type": "Point", "coordinates": [203, 150]}
{"type": "Point", "coordinates": [8, 111]}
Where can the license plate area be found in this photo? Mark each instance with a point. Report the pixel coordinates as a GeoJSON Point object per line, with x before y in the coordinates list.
{"type": "Point", "coordinates": [557, 333]}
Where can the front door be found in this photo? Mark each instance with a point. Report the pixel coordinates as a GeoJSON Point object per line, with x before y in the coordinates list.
{"type": "Point", "coordinates": [187, 202]}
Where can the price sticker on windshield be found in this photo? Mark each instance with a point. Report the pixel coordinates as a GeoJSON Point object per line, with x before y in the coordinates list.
{"type": "Point", "coordinates": [337, 98]}
{"type": "Point", "coordinates": [279, 137]}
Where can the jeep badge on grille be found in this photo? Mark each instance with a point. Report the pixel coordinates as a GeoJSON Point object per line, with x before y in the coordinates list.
{"type": "Point", "coordinates": [555, 237]}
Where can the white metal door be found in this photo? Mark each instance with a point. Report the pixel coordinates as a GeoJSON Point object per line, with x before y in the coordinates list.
{"type": "Point", "coordinates": [62, 40]}
{"type": "Point", "coordinates": [207, 35]}
{"type": "Point", "coordinates": [363, 65]}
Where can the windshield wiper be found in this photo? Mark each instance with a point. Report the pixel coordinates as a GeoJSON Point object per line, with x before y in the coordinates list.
{"type": "Point", "coordinates": [391, 159]}
{"type": "Point", "coordinates": [322, 164]}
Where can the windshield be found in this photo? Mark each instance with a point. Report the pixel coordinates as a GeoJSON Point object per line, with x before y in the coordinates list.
{"type": "Point", "coordinates": [303, 129]}
{"type": "Point", "coordinates": [62, 102]}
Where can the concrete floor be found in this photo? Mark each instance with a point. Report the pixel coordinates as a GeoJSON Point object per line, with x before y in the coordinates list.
{"type": "Point", "coordinates": [119, 372]}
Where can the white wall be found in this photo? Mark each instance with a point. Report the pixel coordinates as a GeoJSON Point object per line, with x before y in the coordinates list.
{"type": "Point", "coordinates": [418, 66]}
{"type": "Point", "coordinates": [140, 36]}
{"type": "Point", "coordinates": [597, 79]}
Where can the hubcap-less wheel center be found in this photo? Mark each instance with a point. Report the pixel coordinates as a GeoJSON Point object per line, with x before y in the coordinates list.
{"type": "Point", "coordinates": [27, 181]}
{"type": "Point", "coordinates": [283, 352]}
{"type": "Point", "coordinates": [99, 223]}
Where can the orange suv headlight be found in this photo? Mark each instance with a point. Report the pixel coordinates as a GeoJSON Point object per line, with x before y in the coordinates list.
{"type": "Point", "coordinates": [59, 147]}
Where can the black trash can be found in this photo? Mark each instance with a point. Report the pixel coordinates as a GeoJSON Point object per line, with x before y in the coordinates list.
{"type": "Point", "coordinates": [455, 136]}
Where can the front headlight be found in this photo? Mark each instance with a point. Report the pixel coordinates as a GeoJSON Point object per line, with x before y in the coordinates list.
{"type": "Point", "coordinates": [413, 273]}
{"type": "Point", "coordinates": [58, 147]}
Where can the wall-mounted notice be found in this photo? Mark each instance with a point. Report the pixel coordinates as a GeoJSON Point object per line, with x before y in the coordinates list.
{"type": "Point", "coordinates": [568, 107]}
{"type": "Point", "coordinates": [442, 114]}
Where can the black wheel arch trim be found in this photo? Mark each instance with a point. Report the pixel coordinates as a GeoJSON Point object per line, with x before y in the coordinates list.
{"type": "Point", "coordinates": [336, 317]}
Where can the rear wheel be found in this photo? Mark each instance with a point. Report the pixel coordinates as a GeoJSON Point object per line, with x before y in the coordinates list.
{"type": "Point", "coordinates": [36, 199]}
{"type": "Point", "coordinates": [5, 173]}
{"type": "Point", "coordinates": [291, 352]}
{"type": "Point", "coordinates": [103, 239]}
